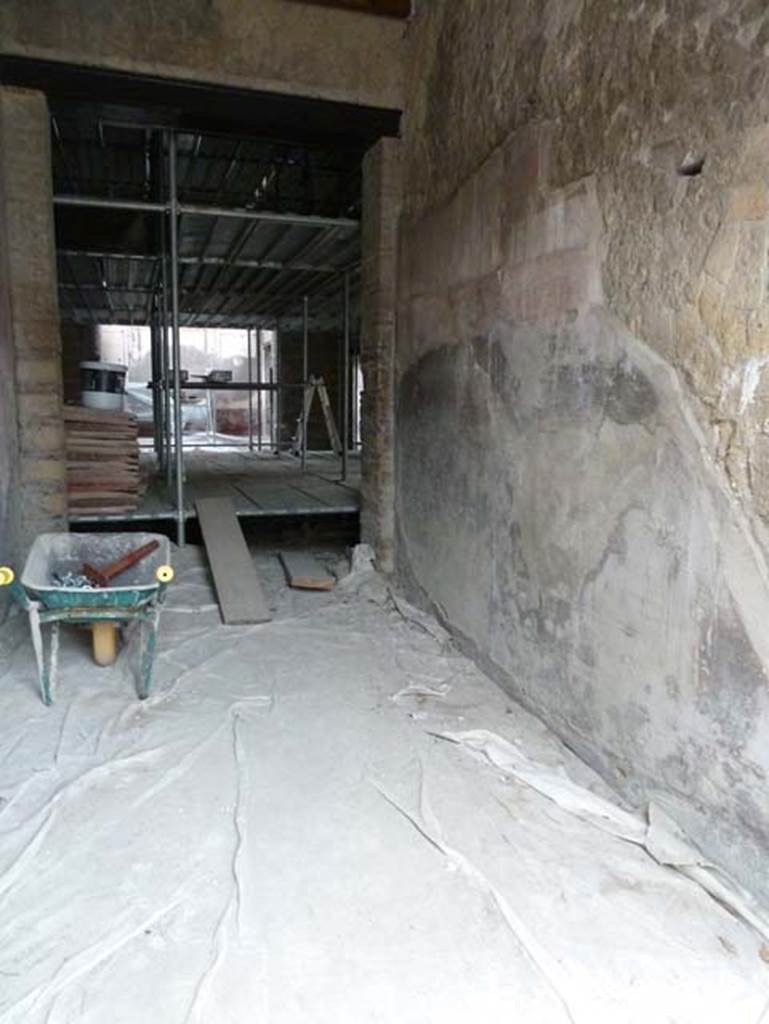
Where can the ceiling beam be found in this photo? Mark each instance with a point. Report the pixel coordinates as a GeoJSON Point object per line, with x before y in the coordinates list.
{"type": "Point", "coordinates": [214, 261]}
{"type": "Point", "coordinates": [264, 216]}
{"type": "Point", "coordinates": [188, 105]}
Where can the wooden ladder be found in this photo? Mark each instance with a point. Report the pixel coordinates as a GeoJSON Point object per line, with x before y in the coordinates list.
{"type": "Point", "coordinates": [316, 385]}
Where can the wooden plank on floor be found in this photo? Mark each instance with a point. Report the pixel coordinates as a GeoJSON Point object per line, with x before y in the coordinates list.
{"type": "Point", "coordinates": [305, 572]}
{"type": "Point", "coordinates": [238, 588]}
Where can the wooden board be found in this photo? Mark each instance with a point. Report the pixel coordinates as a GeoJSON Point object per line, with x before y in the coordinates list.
{"type": "Point", "coordinates": [238, 588]}
{"type": "Point", "coordinates": [305, 572]}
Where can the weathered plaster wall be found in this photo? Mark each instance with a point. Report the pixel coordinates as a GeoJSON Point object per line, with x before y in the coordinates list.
{"type": "Point", "coordinates": [259, 44]}
{"type": "Point", "coordinates": [379, 244]}
{"type": "Point", "coordinates": [9, 445]}
{"type": "Point", "coordinates": [581, 392]}
{"type": "Point", "coordinates": [32, 473]}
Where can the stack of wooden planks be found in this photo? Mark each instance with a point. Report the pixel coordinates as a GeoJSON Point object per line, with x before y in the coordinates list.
{"type": "Point", "coordinates": [103, 475]}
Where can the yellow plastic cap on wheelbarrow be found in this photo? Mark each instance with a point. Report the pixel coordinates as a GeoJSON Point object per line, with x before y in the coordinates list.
{"type": "Point", "coordinates": [7, 575]}
{"type": "Point", "coordinates": [164, 574]}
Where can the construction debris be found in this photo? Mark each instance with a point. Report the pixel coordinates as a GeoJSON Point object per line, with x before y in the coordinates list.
{"type": "Point", "coordinates": [72, 579]}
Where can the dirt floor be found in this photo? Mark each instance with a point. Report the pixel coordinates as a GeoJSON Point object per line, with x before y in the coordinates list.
{"type": "Point", "coordinates": [334, 818]}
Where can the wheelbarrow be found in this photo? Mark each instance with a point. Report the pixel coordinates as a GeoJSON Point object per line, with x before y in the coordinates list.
{"type": "Point", "coordinates": [137, 597]}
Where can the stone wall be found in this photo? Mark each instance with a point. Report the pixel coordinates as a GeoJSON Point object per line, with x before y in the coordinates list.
{"type": "Point", "coordinates": [581, 462]}
{"type": "Point", "coordinates": [259, 44]}
{"type": "Point", "coordinates": [32, 481]}
{"type": "Point", "coordinates": [10, 513]}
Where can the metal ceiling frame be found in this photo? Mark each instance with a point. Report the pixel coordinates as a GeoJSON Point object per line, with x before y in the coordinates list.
{"type": "Point", "coordinates": [336, 236]}
{"type": "Point", "coordinates": [238, 168]}
{"type": "Point", "coordinates": [265, 216]}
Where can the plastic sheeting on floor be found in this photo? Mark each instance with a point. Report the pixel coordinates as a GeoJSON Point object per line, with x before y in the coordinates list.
{"type": "Point", "coordinates": [330, 818]}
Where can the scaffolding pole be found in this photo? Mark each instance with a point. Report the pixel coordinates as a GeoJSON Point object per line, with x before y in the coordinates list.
{"type": "Point", "coordinates": [263, 216]}
{"type": "Point", "coordinates": [272, 412]}
{"type": "Point", "coordinates": [157, 406]}
{"type": "Point", "coordinates": [305, 376]}
{"type": "Point", "coordinates": [250, 394]}
{"type": "Point", "coordinates": [259, 424]}
{"type": "Point", "coordinates": [177, 348]}
{"type": "Point", "coordinates": [165, 350]}
{"type": "Point", "coordinates": [346, 376]}
{"type": "Point", "coordinates": [278, 394]}
{"type": "Point", "coordinates": [355, 404]}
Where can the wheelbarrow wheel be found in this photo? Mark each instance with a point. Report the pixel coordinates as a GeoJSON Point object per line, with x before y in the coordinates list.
{"type": "Point", "coordinates": [104, 638]}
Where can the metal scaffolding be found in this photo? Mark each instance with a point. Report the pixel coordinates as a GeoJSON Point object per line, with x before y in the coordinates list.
{"type": "Point", "coordinates": [264, 216]}
{"type": "Point", "coordinates": [173, 213]}
{"type": "Point", "coordinates": [213, 265]}
{"type": "Point", "coordinates": [346, 377]}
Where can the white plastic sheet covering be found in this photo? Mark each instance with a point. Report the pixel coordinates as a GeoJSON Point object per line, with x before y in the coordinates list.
{"type": "Point", "coordinates": [284, 833]}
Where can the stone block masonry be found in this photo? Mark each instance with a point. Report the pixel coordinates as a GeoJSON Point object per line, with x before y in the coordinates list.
{"type": "Point", "coordinates": [32, 464]}
{"type": "Point", "coordinates": [582, 383]}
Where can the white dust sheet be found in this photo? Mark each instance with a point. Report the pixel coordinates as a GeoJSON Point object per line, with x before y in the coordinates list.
{"type": "Point", "coordinates": [280, 835]}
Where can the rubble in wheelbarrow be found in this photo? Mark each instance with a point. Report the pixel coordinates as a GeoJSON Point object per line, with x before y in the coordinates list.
{"type": "Point", "coordinates": [72, 579]}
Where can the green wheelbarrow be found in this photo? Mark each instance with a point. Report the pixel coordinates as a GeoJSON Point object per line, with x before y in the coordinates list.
{"type": "Point", "coordinates": [138, 598]}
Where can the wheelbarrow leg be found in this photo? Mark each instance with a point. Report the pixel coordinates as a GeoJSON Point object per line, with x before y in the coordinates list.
{"type": "Point", "coordinates": [46, 673]}
{"type": "Point", "coordinates": [148, 632]}
{"type": "Point", "coordinates": [48, 681]}
{"type": "Point", "coordinates": [104, 642]}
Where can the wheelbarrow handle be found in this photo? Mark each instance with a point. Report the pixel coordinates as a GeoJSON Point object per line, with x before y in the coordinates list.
{"type": "Point", "coordinates": [164, 574]}
{"type": "Point", "coordinates": [8, 579]}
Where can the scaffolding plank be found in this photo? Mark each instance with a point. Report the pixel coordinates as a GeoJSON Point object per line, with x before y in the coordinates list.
{"type": "Point", "coordinates": [305, 572]}
{"type": "Point", "coordinates": [219, 487]}
{"type": "Point", "coordinates": [332, 494]}
{"type": "Point", "coordinates": [352, 483]}
{"type": "Point", "coordinates": [279, 499]}
{"type": "Point", "coordinates": [238, 589]}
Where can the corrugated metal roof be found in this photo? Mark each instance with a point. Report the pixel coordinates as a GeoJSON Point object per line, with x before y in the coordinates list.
{"type": "Point", "coordinates": [234, 272]}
